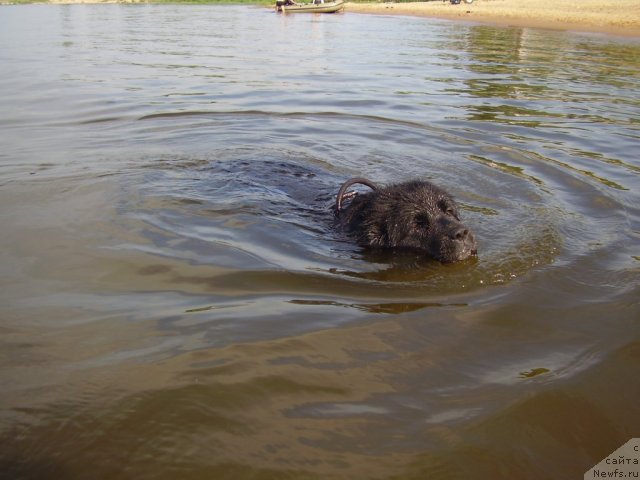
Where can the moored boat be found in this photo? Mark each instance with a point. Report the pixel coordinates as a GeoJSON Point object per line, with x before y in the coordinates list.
{"type": "Point", "coordinates": [317, 6]}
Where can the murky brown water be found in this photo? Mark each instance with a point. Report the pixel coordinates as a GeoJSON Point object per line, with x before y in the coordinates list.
{"type": "Point", "coordinates": [176, 303]}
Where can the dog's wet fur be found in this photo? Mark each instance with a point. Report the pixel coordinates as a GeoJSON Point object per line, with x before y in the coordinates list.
{"type": "Point", "coordinates": [415, 215]}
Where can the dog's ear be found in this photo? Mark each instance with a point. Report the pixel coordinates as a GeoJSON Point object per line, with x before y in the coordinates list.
{"type": "Point", "coordinates": [375, 224]}
{"type": "Point", "coordinates": [377, 235]}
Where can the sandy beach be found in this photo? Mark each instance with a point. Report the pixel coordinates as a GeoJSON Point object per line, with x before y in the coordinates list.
{"type": "Point", "coordinates": [618, 17]}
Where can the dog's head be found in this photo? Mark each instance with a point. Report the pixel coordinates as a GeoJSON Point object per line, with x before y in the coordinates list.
{"type": "Point", "coordinates": [415, 215]}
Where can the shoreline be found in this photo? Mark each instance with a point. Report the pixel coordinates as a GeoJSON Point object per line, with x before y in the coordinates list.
{"type": "Point", "coordinates": [620, 17]}
{"type": "Point", "coordinates": [610, 17]}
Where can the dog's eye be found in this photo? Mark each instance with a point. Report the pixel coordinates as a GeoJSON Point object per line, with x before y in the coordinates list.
{"type": "Point", "coordinates": [421, 220]}
{"type": "Point", "coordinates": [450, 210]}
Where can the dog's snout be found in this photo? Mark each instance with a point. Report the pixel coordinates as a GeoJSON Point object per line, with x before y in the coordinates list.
{"type": "Point", "coordinates": [460, 233]}
{"type": "Point", "coordinates": [455, 230]}
{"type": "Point", "coordinates": [463, 239]}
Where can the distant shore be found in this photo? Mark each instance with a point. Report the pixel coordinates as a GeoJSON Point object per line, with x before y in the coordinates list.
{"type": "Point", "coordinates": [617, 17]}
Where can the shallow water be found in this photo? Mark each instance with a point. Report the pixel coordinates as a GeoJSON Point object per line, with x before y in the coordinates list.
{"type": "Point", "coordinates": [176, 302]}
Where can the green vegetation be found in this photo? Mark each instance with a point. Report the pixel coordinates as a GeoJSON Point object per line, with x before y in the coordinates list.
{"type": "Point", "coordinates": [213, 2]}
{"type": "Point", "coordinates": [196, 2]}
{"type": "Point", "coordinates": [174, 2]}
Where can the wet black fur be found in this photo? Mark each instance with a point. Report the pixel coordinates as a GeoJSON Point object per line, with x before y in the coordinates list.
{"type": "Point", "coordinates": [412, 215]}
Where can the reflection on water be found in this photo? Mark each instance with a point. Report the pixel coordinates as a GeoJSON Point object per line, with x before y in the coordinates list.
{"type": "Point", "coordinates": [176, 299]}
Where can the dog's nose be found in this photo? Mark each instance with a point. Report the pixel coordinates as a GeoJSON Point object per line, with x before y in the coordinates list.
{"type": "Point", "coordinates": [459, 233]}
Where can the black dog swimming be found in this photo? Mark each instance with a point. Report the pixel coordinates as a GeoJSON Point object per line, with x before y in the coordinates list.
{"type": "Point", "coordinates": [413, 215]}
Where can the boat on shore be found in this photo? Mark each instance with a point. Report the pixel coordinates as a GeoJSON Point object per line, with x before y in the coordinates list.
{"type": "Point", "coordinates": [317, 6]}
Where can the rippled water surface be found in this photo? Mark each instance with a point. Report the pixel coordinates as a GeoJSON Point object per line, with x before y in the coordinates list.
{"type": "Point", "coordinates": [177, 303]}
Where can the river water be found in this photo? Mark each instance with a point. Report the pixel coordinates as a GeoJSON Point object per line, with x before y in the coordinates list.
{"type": "Point", "coordinates": [177, 303]}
